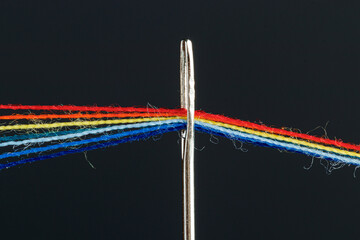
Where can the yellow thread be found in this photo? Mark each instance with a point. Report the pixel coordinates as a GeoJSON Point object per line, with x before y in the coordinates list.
{"type": "Point", "coordinates": [282, 138]}
{"type": "Point", "coordinates": [135, 120]}
{"type": "Point", "coordinates": [85, 123]}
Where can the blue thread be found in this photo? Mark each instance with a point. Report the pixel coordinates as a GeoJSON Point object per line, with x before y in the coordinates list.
{"type": "Point", "coordinates": [199, 126]}
{"type": "Point", "coordinates": [90, 132]}
{"type": "Point", "coordinates": [37, 135]}
{"type": "Point", "coordinates": [261, 141]}
{"type": "Point", "coordinates": [144, 135]}
{"type": "Point", "coordinates": [77, 143]}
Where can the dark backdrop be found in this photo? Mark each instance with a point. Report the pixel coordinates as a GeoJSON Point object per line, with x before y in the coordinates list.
{"type": "Point", "coordinates": [284, 63]}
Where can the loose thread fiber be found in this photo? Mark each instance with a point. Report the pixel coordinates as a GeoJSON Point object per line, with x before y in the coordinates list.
{"type": "Point", "coordinates": [91, 140]}
{"type": "Point", "coordinates": [89, 108]}
{"type": "Point", "coordinates": [144, 135]}
{"type": "Point", "coordinates": [86, 132]}
{"type": "Point", "coordinates": [265, 142]}
{"type": "Point", "coordinates": [154, 120]}
{"type": "Point", "coordinates": [84, 123]}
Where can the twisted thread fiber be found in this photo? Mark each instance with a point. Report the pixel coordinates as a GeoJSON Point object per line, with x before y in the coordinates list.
{"type": "Point", "coordinates": [88, 108]}
{"type": "Point", "coordinates": [150, 112]}
{"type": "Point", "coordinates": [283, 138]}
{"type": "Point", "coordinates": [263, 141]}
{"type": "Point", "coordinates": [240, 129]}
{"type": "Point", "coordinates": [87, 141]}
{"type": "Point", "coordinates": [146, 134]}
{"type": "Point", "coordinates": [84, 123]}
{"type": "Point", "coordinates": [207, 128]}
{"type": "Point", "coordinates": [152, 121]}
{"type": "Point", "coordinates": [96, 115]}
{"type": "Point", "coordinates": [89, 132]}
{"type": "Point", "coordinates": [39, 135]}
{"type": "Point", "coordinates": [246, 124]}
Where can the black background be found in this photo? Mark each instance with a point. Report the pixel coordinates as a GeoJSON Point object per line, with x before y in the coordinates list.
{"type": "Point", "coordinates": [284, 63]}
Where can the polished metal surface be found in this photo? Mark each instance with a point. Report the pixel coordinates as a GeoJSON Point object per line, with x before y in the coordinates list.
{"type": "Point", "coordinates": [187, 99]}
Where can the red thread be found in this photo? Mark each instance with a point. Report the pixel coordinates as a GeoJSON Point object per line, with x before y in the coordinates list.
{"type": "Point", "coordinates": [89, 108]}
{"type": "Point", "coordinates": [246, 124]}
{"type": "Point", "coordinates": [96, 115]}
{"type": "Point", "coordinates": [149, 112]}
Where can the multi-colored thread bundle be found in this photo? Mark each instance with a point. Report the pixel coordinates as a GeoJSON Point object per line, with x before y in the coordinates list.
{"type": "Point", "coordinates": [34, 133]}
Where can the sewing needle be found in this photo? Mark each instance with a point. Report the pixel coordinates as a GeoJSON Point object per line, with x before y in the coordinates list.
{"type": "Point", "coordinates": [187, 99]}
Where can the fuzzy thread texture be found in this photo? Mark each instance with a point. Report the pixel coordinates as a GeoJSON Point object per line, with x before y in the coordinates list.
{"type": "Point", "coordinates": [72, 129]}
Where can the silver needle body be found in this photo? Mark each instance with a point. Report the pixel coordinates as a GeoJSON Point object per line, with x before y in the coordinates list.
{"type": "Point", "coordinates": [187, 97]}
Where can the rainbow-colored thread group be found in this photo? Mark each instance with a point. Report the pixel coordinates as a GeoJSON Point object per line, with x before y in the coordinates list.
{"type": "Point", "coordinates": [34, 133]}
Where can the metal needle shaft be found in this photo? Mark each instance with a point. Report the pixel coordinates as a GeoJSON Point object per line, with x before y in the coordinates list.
{"type": "Point", "coordinates": [187, 97]}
